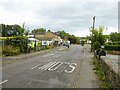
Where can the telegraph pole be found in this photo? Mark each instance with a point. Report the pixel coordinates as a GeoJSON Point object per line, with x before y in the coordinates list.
{"type": "Point", "coordinates": [92, 32]}
{"type": "Point", "coordinates": [93, 22]}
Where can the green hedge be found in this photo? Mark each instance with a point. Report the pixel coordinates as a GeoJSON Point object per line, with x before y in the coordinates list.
{"type": "Point", "coordinates": [16, 41]}
{"type": "Point", "coordinates": [113, 43]}
{"type": "Point", "coordinates": [112, 47]}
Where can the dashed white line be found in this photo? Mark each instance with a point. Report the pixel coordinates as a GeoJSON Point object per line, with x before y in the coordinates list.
{"type": "Point", "coordinates": [3, 82]}
{"type": "Point", "coordinates": [84, 54]}
{"type": "Point", "coordinates": [35, 66]}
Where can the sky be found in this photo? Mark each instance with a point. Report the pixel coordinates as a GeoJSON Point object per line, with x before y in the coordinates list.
{"type": "Point", "coordinates": [73, 16]}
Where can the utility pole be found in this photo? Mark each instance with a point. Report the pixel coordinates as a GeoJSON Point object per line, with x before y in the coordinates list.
{"type": "Point", "coordinates": [92, 32]}
{"type": "Point", "coordinates": [93, 22]}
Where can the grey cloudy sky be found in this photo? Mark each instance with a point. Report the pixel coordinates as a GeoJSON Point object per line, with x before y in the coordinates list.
{"type": "Point", "coordinates": [73, 16]}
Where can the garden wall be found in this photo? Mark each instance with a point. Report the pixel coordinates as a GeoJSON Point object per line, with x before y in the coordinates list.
{"type": "Point", "coordinates": [112, 77]}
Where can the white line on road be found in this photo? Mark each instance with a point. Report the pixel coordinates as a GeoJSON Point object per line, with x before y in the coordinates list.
{"type": "Point", "coordinates": [35, 66]}
{"type": "Point", "coordinates": [84, 54]}
{"type": "Point", "coordinates": [3, 82]}
{"type": "Point", "coordinates": [48, 54]}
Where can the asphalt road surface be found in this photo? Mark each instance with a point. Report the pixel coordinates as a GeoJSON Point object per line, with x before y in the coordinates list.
{"type": "Point", "coordinates": [58, 68]}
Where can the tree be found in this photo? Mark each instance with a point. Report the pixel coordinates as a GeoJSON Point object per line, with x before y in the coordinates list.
{"type": "Point", "coordinates": [73, 39]}
{"type": "Point", "coordinates": [39, 30]}
{"type": "Point", "coordinates": [97, 35]}
{"type": "Point", "coordinates": [115, 37]}
{"type": "Point", "coordinates": [11, 30]}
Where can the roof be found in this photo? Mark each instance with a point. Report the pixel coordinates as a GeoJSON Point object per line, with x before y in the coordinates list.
{"type": "Point", "coordinates": [47, 36]}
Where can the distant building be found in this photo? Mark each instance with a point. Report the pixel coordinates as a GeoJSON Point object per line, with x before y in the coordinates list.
{"type": "Point", "coordinates": [48, 38]}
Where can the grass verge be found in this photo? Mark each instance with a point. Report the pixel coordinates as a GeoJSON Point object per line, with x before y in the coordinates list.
{"type": "Point", "coordinates": [100, 74]}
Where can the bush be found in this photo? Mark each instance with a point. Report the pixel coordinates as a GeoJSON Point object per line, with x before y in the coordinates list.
{"type": "Point", "coordinates": [11, 50]}
{"type": "Point", "coordinates": [96, 45]}
{"type": "Point", "coordinates": [16, 41]}
{"type": "Point", "coordinates": [113, 43]}
{"type": "Point", "coordinates": [112, 47]}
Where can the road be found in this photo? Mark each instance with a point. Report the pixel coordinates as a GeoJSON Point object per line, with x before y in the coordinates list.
{"type": "Point", "coordinates": [58, 68]}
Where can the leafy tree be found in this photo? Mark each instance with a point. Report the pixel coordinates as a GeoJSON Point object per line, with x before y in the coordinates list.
{"type": "Point", "coordinates": [39, 30]}
{"type": "Point", "coordinates": [115, 37]}
{"type": "Point", "coordinates": [11, 30]}
{"type": "Point", "coordinates": [73, 39]}
{"type": "Point", "coordinates": [97, 35]}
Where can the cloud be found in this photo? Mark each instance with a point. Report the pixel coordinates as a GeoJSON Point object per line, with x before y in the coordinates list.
{"type": "Point", "coordinates": [72, 16]}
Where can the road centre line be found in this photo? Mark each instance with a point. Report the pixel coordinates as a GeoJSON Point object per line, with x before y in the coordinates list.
{"type": "Point", "coordinates": [3, 82]}
{"type": "Point", "coordinates": [35, 66]}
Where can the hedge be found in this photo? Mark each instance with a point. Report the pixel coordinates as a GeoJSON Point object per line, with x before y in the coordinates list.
{"type": "Point", "coordinates": [11, 50]}
{"type": "Point", "coordinates": [15, 41]}
{"type": "Point", "coordinates": [113, 43]}
{"type": "Point", "coordinates": [112, 47]}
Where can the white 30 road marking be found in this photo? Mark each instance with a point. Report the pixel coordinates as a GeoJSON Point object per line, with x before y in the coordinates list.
{"type": "Point", "coordinates": [46, 66]}
{"type": "Point", "coordinates": [50, 69]}
{"type": "Point", "coordinates": [73, 67]}
{"type": "Point", "coordinates": [52, 66]}
{"type": "Point", "coordinates": [35, 66]}
{"type": "Point", "coordinates": [3, 82]}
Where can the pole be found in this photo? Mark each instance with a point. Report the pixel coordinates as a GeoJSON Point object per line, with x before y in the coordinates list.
{"type": "Point", "coordinates": [93, 22]}
{"type": "Point", "coordinates": [92, 32]}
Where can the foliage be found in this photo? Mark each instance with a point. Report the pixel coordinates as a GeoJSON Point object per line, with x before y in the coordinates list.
{"type": "Point", "coordinates": [39, 30]}
{"type": "Point", "coordinates": [96, 45]}
{"type": "Point", "coordinates": [115, 37]}
{"type": "Point", "coordinates": [100, 73]}
{"type": "Point", "coordinates": [73, 39]}
{"type": "Point", "coordinates": [112, 47]}
{"type": "Point", "coordinates": [11, 30]}
{"type": "Point", "coordinates": [16, 41]}
{"type": "Point", "coordinates": [97, 35]}
{"type": "Point", "coordinates": [11, 50]}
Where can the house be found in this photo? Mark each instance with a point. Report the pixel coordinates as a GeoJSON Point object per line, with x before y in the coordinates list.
{"type": "Point", "coordinates": [48, 38]}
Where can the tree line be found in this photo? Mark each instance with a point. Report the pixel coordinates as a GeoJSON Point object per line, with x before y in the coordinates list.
{"type": "Point", "coordinates": [16, 30]}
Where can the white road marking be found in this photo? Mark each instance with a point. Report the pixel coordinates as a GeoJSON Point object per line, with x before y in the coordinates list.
{"type": "Point", "coordinates": [49, 66]}
{"type": "Point", "coordinates": [48, 54]}
{"type": "Point", "coordinates": [46, 65]}
{"type": "Point", "coordinates": [3, 82]}
{"type": "Point", "coordinates": [84, 54]}
{"type": "Point", "coordinates": [35, 66]}
{"type": "Point", "coordinates": [73, 68]}
{"type": "Point", "coordinates": [50, 69]}
{"type": "Point", "coordinates": [58, 65]}
{"type": "Point", "coordinates": [52, 66]}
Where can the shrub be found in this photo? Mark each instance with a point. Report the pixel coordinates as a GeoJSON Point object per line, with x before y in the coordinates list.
{"type": "Point", "coordinates": [96, 45]}
{"type": "Point", "coordinates": [16, 41]}
{"type": "Point", "coordinates": [112, 47]}
{"type": "Point", "coordinates": [10, 50]}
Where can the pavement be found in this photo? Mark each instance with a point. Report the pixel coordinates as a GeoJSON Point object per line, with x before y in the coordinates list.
{"type": "Point", "coordinates": [112, 61]}
{"type": "Point", "coordinates": [56, 68]}
{"type": "Point", "coordinates": [10, 59]}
